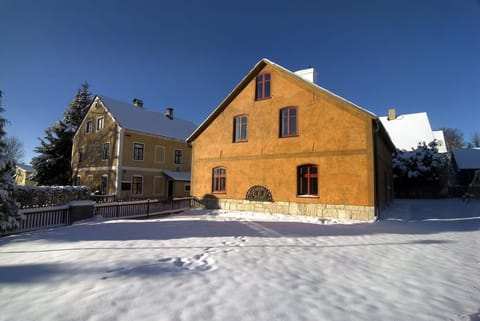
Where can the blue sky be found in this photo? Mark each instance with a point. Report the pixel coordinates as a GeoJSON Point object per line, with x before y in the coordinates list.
{"type": "Point", "coordinates": [410, 55]}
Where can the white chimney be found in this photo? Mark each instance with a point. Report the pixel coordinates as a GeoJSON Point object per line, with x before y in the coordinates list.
{"type": "Point", "coordinates": [392, 114]}
{"type": "Point", "coordinates": [169, 112]}
{"type": "Point", "coordinates": [308, 74]}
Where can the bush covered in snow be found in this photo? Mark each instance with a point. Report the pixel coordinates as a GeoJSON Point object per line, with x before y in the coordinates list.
{"type": "Point", "coordinates": [42, 196]}
{"type": "Point", "coordinates": [419, 172]}
{"type": "Point", "coordinates": [9, 215]}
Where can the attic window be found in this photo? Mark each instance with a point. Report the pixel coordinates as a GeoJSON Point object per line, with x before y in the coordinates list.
{"type": "Point", "coordinates": [100, 123]}
{"type": "Point", "coordinates": [262, 89]}
{"type": "Point", "coordinates": [89, 126]}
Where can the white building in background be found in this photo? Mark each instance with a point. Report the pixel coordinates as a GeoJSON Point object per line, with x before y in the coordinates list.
{"type": "Point", "coordinates": [407, 131]}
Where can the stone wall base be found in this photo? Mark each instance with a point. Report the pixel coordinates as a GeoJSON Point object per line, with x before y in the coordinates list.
{"type": "Point", "coordinates": [342, 212]}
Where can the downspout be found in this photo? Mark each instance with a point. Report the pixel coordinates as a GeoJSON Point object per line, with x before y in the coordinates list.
{"type": "Point", "coordinates": [375, 168]}
{"type": "Point", "coordinates": [118, 182]}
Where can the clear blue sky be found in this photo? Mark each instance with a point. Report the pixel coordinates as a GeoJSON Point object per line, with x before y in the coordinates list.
{"type": "Point", "coordinates": [412, 55]}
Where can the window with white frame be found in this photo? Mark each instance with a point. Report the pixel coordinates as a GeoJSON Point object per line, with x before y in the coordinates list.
{"type": "Point", "coordinates": [137, 185]}
{"type": "Point", "coordinates": [138, 151]}
{"type": "Point", "coordinates": [178, 156]}
{"type": "Point", "coordinates": [100, 123]}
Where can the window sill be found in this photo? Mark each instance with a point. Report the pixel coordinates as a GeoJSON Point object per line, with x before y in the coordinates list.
{"type": "Point", "coordinates": [288, 136]}
{"type": "Point", "coordinates": [219, 193]}
{"type": "Point", "coordinates": [308, 196]}
{"type": "Point", "coordinates": [264, 98]}
{"type": "Point", "coordinates": [240, 141]}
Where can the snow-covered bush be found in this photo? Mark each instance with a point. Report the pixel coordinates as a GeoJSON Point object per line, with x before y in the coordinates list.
{"type": "Point", "coordinates": [9, 214]}
{"type": "Point", "coordinates": [419, 170]}
{"type": "Point", "coordinates": [42, 196]}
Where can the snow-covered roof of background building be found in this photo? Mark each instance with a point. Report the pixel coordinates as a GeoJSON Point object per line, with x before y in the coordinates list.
{"type": "Point", "coordinates": [407, 131]}
{"type": "Point", "coordinates": [25, 167]}
{"type": "Point", "coordinates": [147, 121]}
{"type": "Point", "coordinates": [467, 158]}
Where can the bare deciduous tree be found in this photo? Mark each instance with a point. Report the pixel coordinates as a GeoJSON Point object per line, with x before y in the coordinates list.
{"type": "Point", "coordinates": [14, 148]}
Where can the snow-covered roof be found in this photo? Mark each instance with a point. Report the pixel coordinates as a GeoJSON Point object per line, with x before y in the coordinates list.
{"type": "Point", "coordinates": [147, 121]}
{"type": "Point", "coordinates": [407, 131]}
{"type": "Point", "coordinates": [467, 158]}
{"type": "Point", "coordinates": [244, 82]}
{"type": "Point", "coordinates": [178, 176]}
{"type": "Point", "coordinates": [25, 167]}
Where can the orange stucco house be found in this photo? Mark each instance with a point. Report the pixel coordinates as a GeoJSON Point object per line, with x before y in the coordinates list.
{"type": "Point", "coordinates": [279, 143]}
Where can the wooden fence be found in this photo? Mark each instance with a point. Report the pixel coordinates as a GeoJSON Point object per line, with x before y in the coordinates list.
{"type": "Point", "coordinates": [47, 217]}
{"type": "Point", "coordinates": [144, 208]}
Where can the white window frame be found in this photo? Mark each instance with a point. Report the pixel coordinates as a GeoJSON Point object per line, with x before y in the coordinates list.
{"type": "Point", "coordinates": [174, 156]}
{"type": "Point", "coordinates": [131, 191]}
{"type": "Point", "coordinates": [143, 153]}
{"type": "Point", "coordinates": [100, 123]}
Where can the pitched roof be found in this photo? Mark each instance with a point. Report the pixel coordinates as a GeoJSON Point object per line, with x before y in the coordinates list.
{"type": "Point", "coordinates": [244, 82]}
{"type": "Point", "coordinates": [25, 167]}
{"type": "Point", "coordinates": [407, 131]}
{"type": "Point", "coordinates": [467, 158]}
{"type": "Point", "coordinates": [147, 121]}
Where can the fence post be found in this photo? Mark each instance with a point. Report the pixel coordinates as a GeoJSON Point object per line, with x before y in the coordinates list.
{"type": "Point", "coordinates": [148, 207]}
{"type": "Point", "coordinates": [118, 208]}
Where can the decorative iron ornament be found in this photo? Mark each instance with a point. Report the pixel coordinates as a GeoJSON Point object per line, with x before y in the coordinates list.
{"type": "Point", "coordinates": [259, 193]}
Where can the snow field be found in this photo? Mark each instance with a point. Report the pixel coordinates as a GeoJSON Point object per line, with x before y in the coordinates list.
{"type": "Point", "coordinates": [244, 266]}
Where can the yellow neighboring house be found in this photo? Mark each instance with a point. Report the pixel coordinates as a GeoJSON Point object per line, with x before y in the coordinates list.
{"type": "Point", "coordinates": [22, 172]}
{"type": "Point", "coordinates": [129, 151]}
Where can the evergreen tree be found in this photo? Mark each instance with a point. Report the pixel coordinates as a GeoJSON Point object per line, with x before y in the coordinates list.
{"type": "Point", "coordinates": [53, 165]}
{"type": "Point", "coordinates": [419, 169]}
{"type": "Point", "coordinates": [9, 215]}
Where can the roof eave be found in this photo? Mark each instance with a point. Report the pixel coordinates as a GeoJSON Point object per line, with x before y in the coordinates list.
{"type": "Point", "coordinates": [241, 85]}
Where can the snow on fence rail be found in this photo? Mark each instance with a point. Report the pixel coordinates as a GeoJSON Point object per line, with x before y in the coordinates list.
{"type": "Point", "coordinates": [47, 217]}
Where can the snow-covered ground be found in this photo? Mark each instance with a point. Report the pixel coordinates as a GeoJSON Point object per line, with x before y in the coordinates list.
{"type": "Point", "coordinates": [420, 263]}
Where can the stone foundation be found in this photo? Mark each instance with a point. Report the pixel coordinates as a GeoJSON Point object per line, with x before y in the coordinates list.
{"type": "Point", "coordinates": [342, 212]}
